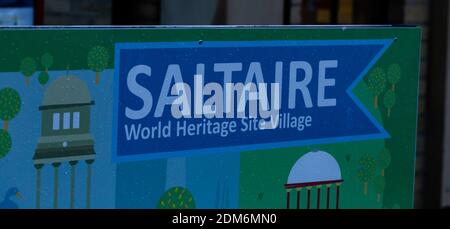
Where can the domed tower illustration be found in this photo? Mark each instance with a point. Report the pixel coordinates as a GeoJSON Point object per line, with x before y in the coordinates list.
{"type": "Point", "coordinates": [65, 134]}
{"type": "Point", "coordinates": [314, 170]}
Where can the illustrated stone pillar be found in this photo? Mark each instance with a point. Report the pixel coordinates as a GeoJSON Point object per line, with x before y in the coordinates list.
{"type": "Point", "coordinates": [298, 197]}
{"type": "Point", "coordinates": [55, 188]}
{"type": "Point", "coordinates": [308, 205]}
{"type": "Point", "coordinates": [38, 168]}
{"type": "Point", "coordinates": [288, 198]}
{"type": "Point", "coordinates": [318, 196]}
{"type": "Point", "coordinates": [328, 196]}
{"type": "Point", "coordinates": [337, 195]}
{"type": "Point", "coordinates": [72, 182]}
{"type": "Point", "coordinates": [88, 183]}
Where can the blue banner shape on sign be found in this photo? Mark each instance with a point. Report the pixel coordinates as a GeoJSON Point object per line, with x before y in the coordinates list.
{"type": "Point", "coordinates": [183, 98]}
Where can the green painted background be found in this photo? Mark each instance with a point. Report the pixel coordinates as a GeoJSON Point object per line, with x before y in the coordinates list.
{"type": "Point", "coordinates": [263, 173]}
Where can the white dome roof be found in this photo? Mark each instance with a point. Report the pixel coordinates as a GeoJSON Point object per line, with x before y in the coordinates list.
{"type": "Point", "coordinates": [316, 166]}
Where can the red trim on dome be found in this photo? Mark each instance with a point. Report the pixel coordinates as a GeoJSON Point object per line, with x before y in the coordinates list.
{"type": "Point", "coordinates": [307, 184]}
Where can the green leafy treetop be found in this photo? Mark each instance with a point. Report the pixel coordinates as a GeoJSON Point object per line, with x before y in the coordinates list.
{"type": "Point", "coordinates": [176, 198]}
{"type": "Point", "coordinates": [384, 159]}
{"type": "Point", "coordinates": [366, 170]}
{"type": "Point", "coordinates": [376, 83]}
{"type": "Point", "coordinates": [47, 61]}
{"type": "Point", "coordinates": [379, 184]}
{"type": "Point", "coordinates": [28, 68]}
{"type": "Point", "coordinates": [389, 101]}
{"type": "Point", "coordinates": [393, 74]}
{"type": "Point", "coordinates": [97, 61]}
{"type": "Point", "coordinates": [9, 105]}
{"type": "Point", "coordinates": [5, 143]}
{"type": "Point", "coordinates": [43, 78]}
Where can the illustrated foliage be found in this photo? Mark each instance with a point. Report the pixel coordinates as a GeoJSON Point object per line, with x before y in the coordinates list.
{"type": "Point", "coordinates": [377, 81]}
{"type": "Point", "coordinates": [28, 66]}
{"type": "Point", "coordinates": [9, 103]}
{"type": "Point", "coordinates": [389, 99]}
{"type": "Point", "coordinates": [47, 61]}
{"type": "Point", "coordinates": [97, 59]}
{"type": "Point", "coordinates": [394, 73]}
{"type": "Point", "coordinates": [260, 196]}
{"type": "Point", "coordinates": [43, 78]}
{"type": "Point", "coordinates": [348, 157]}
{"type": "Point", "coordinates": [384, 158]}
{"type": "Point", "coordinates": [379, 184]}
{"type": "Point", "coordinates": [5, 143]}
{"type": "Point", "coordinates": [367, 168]}
{"type": "Point", "coordinates": [176, 198]}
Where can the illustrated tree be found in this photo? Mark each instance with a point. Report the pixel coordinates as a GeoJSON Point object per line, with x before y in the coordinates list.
{"type": "Point", "coordinates": [384, 159]}
{"type": "Point", "coordinates": [348, 157]}
{"type": "Point", "coordinates": [389, 101]}
{"type": "Point", "coordinates": [393, 75]}
{"type": "Point", "coordinates": [5, 143]}
{"type": "Point", "coordinates": [47, 61]}
{"type": "Point", "coordinates": [43, 78]}
{"type": "Point", "coordinates": [9, 105]}
{"type": "Point", "coordinates": [376, 83]}
{"type": "Point", "coordinates": [28, 68]}
{"type": "Point", "coordinates": [379, 184]}
{"type": "Point", "coordinates": [176, 198]}
{"type": "Point", "coordinates": [260, 196]}
{"type": "Point", "coordinates": [97, 61]}
{"type": "Point", "coordinates": [366, 170]}
{"type": "Point", "coordinates": [346, 171]}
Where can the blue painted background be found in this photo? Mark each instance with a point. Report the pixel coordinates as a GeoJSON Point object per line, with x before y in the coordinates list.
{"type": "Point", "coordinates": [347, 121]}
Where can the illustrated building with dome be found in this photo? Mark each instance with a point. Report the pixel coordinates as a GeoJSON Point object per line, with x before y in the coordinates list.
{"type": "Point", "coordinates": [316, 170]}
{"type": "Point", "coordinates": [65, 133]}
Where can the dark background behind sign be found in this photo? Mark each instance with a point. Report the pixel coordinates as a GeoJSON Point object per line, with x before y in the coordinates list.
{"type": "Point", "coordinates": [432, 186]}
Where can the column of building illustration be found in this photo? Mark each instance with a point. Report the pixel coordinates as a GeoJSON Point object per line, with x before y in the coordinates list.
{"type": "Point", "coordinates": [65, 135]}
{"type": "Point", "coordinates": [314, 171]}
{"type": "Point", "coordinates": [318, 186]}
